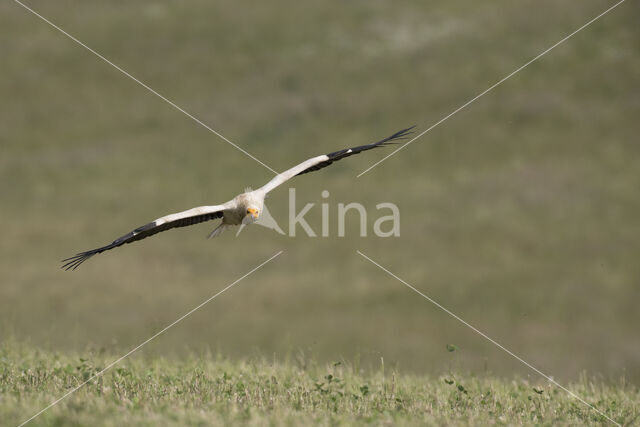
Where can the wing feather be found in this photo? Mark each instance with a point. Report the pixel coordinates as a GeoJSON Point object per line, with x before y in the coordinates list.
{"type": "Point", "coordinates": [323, 161]}
{"type": "Point", "coordinates": [180, 219]}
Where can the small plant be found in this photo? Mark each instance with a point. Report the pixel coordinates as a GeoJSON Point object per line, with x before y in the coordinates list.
{"type": "Point", "coordinates": [364, 390]}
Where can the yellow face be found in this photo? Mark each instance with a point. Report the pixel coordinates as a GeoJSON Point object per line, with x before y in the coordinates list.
{"type": "Point", "coordinates": [253, 212]}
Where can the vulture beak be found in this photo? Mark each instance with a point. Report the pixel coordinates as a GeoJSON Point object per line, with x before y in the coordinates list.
{"type": "Point", "coordinates": [253, 212]}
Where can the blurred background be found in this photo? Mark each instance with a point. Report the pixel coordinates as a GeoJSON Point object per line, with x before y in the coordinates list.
{"type": "Point", "coordinates": [521, 214]}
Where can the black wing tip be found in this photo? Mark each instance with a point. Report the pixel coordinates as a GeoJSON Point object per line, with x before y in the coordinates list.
{"type": "Point", "coordinates": [402, 133]}
{"type": "Point", "coordinates": [74, 262]}
{"type": "Point", "coordinates": [398, 136]}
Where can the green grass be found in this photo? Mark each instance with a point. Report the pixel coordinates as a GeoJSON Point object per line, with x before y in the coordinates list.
{"type": "Point", "coordinates": [294, 390]}
{"type": "Point", "coordinates": [521, 214]}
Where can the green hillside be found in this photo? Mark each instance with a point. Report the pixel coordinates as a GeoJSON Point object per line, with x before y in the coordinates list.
{"type": "Point", "coordinates": [521, 213]}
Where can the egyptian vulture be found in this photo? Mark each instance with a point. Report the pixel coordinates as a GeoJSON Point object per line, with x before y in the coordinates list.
{"type": "Point", "coordinates": [245, 208]}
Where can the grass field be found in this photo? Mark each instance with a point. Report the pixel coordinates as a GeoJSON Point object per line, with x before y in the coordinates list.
{"type": "Point", "coordinates": [292, 390]}
{"type": "Point", "coordinates": [521, 213]}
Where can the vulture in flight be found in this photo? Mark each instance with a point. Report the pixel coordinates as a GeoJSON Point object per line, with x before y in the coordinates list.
{"type": "Point", "coordinates": [245, 208]}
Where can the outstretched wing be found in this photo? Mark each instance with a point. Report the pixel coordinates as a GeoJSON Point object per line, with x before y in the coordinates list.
{"type": "Point", "coordinates": [180, 219]}
{"type": "Point", "coordinates": [325, 160]}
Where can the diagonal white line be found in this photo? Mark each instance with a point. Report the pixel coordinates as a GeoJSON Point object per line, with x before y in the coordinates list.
{"type": "Point", "coordinates": [110, 365]}
{"type": "Point", "coordinates": [488, 338]}
{"type": "Point", "coordinates": [490, 88]}
{"type": "Point", "coordinates": [168, 101]}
